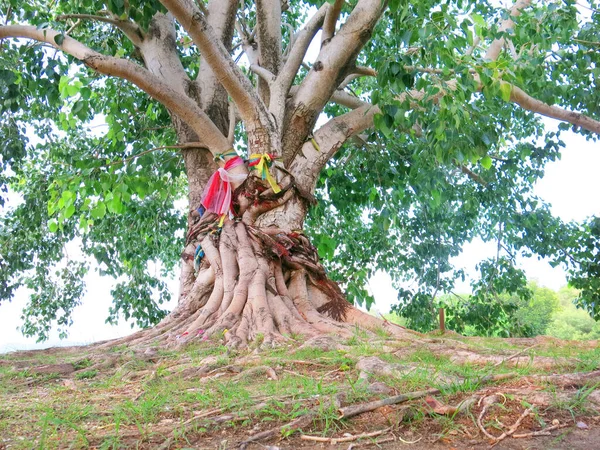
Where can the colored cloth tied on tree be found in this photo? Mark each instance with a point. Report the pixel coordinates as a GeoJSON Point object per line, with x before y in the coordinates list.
{"type": "Point", "coordinates": [216, 197]}
{"type": "Point", "coordinates": [262, 162]}
{"type": "Point", "coordinates": [198, 255]}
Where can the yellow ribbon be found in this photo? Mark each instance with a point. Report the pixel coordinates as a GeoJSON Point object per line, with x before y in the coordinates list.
{"type": "Point", "coordinates": [222, 220]}
{"type": "Point", "coordinates": [263, 168]}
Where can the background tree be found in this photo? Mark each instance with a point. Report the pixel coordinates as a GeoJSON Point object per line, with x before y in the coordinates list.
{"type": "Point", "coordinates": [504, 315]}
{"type": "Point", "coordinates": [415, 128]}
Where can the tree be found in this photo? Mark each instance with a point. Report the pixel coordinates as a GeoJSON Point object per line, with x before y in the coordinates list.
{"type": "Point", "coordinates": [428, 114]}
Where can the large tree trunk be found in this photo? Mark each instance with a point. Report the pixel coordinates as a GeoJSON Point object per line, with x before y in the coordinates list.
{"type": "Point", "coordinates": [260, 278]}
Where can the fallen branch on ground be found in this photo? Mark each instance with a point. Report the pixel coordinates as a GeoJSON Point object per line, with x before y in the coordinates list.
{"type": "Point", "coordinates": [514, 427]}
{"type": "Point", "coordinates": [488, 402]}
{"type": "Point", "coordinates": [334, 441]}
{"type": "Point", "coordinates": [544, 432]}
{"type": "Point", "coordinates": [286, 429]}
{"type": "Point", "coordinates": [514, 355]}
{"type": "Point", "coordinates": [354, 410]}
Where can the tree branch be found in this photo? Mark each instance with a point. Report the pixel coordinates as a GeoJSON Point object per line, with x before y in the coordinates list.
{"type": "Point", "coordinates": [214, 99]}
{"type": "Point", "coordinates": [524, 100]}
{"type": "Point", "coordinates": [333, 14]}
{"type": "Point", "coordinates": [180, 104]}
{"type": "Point", "coordinates": [472, 175]}
{"type": "Point", "coordinates": [216, 55]}
{"type": "Point", "coordinates": [329, 138]}
{"type": "Point", "coordinates": [131, 30]}
{"type": "Point", "coordinates": [498, 44]}
{"type": "Point", "coordinates": [268, 34]}
{"type": "Point", "coordinates": [232, 124]}
{"type": "Point", "coordinates": [349, 101]}
{"type": "Point", "coordinates": [263, 73]}
{"type": "Point", "coordinates": [327, 73]}
{"type": "Point", "coordinates": [302, 40]}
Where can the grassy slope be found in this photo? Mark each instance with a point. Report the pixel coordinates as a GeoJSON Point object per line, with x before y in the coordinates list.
{"type": "Point", "coordinates": [203, 397]}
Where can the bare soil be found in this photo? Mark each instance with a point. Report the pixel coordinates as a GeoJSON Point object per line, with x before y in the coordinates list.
{"type": "Point", "coordinates": [204, 396]}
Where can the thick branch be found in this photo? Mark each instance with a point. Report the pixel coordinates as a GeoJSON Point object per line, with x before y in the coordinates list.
{"type": "Point", "coordinates": [159, 51]}
{"type": "Point", "coordinates": [221, 16]}
{"type": "Point", "coordinates": [328, 139]}
{"type": "Point", "coordinates": [216, 55]}
{"type": "Point", "coordinates": [529, 103]}
{"type": "Point", "coordinates": [286, 77]}
{"type": "Point", "coordinates": [268, 33]}
{"type": "Point", "coordinates": [263, 73]}
{"type": "Point", "coordinates": [180, 104]}
{"type": "Point", "coordinates": [498, 44]}
{"type": "Point", "coordinates": [333, 63]}
{"type": "Point", "coordinates": [331, 19]}
{"type": "Point", "coordinates": [130, 29]}
{"type": "Point", "coordinates": [348, 100]}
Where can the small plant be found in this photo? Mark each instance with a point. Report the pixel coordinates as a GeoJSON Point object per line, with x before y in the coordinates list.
{"type": "Point", "coordinates": [82, 363]}
{"type": "Point", "coordinates": [258, 341]}
{"type": "Point", "coordinates": [88, 374]}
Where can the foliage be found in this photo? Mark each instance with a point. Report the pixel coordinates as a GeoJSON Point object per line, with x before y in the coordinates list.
{"type": "Point", "coordinates": [571, 322]}
{"type": "Point", "coordinates": [434, 173]}
{"type": "Point", "coordinates": [546, 312]}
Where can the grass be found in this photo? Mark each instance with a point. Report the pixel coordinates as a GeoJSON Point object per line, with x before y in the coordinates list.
{"type": "Point", "coordinates": [141, 403]}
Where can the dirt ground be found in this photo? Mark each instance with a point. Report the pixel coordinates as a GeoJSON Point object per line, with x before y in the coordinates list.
{"type": "Point", "coordinates": [445, 392]}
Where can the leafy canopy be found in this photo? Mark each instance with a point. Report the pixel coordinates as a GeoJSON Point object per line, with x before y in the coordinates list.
{"type": "Point", "coordinates": [433, 174]}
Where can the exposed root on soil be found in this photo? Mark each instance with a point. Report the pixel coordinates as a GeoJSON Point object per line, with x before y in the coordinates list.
{"type": "Point", "coordinates": [362, 413]}
{"type": "Point", "coordinates": [256, 285]}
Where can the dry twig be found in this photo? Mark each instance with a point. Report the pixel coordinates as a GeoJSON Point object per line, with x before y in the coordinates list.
{"type": "Point", "coordinates": [354, 410]}
{"type": "Point", "coordinates": [544, 432]}
{"type": "Point", "coordinates": [487, 404]}
{"type": "Point", "coordinates": [514, 355]}
{"type": "Point", "coordinates": [288, 428]}
{"type": "Point", "coordinates": [334, 441]}
{"type": "Point", "coordinates": [514, 427]}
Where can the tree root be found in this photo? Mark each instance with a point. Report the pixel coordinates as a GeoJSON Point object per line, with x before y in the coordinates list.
{"type": "Point", "coordinates": [257, 285]}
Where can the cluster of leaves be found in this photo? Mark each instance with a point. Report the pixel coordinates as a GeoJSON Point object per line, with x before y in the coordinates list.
{"type": "Point", "coordinates": [73, 179]}
{"type": "Point", "coordinates": [461, 161]}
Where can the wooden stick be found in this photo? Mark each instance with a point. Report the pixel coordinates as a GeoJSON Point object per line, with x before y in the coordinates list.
{"type": "Point", "coordinates": [486, 405]}
{"type": "Point", "coordinates": [544, 432]}
{"type": "Point", "coordinates": [354, 410]}
{"type": "Point", "coordinates": [514, 427]}
{"type": "Point", "coordinates": [334, 441]}
{"type": "Point", "coordinates": [514, 355]}
{"type": "Point", "coordinates": [300, 422]}
{"type": "Point", "coordinates": [442, 320]}
{"type": "Point", "coordinates": [498, 377]}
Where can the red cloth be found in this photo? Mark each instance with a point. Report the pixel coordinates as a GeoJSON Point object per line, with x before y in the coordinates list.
{"type": "Point", "coordinates": [217, 194]}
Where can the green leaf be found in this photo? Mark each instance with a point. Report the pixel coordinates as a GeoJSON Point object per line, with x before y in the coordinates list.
{"type": "Point", "coordinates": [53, 225]}
{"type": "Point", "coordinates": [505, 91]}
{"type": "Point", "coordinates": [478, 20]}
{"type": "Point", "coordinates": [99, 211]}
{"type": "Point", "coordinates": [59, 39]}
{"type": "Point", "coordinates": [486, 162]}
{"type": "Point", "coordinates": [69, 211]}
